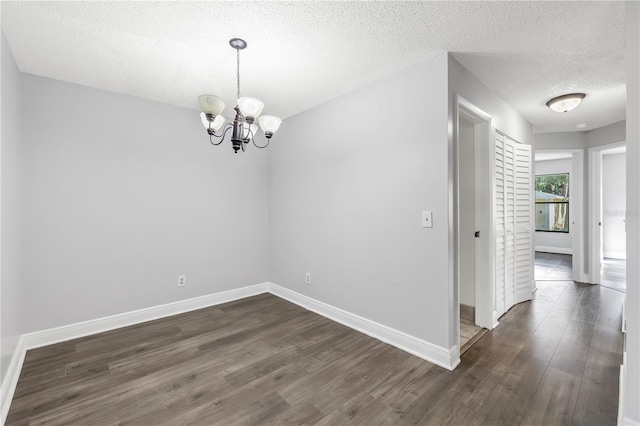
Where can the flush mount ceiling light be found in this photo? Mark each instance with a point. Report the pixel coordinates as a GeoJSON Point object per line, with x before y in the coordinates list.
{"type": "Point", "coordinates": [247, 111]}
{"type": "Point", "coordinates": [566, 103]}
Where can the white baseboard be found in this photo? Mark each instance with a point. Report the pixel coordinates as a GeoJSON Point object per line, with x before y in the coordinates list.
{"type": "Point", "coordinates": [623, 420]}
{"type": "Point", "coordinates": [557, 250]}
{"type": "Point", "coordinates": [446, 358]}
{"type": "Point", "coordinates": [585, 279]}
{"type": "Point", "coordinates": [11, 379]}
{"type": "Point", "coordinates": [615, 254]}
{"type": "Point", "coordinates": [86, 328]}
{"type": "Point", "coordinates": [623, 374]}
{"type": "Point", "coordinates": [495, 319]}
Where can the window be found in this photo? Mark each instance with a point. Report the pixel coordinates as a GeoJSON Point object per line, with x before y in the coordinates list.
{"type": "Point", "coordinates": [552, 202]}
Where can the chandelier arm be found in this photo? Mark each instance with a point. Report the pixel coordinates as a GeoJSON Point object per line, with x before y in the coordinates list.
{"type": "Point", "coordinates": [221, 136]}
{"type": "Point", "coordinates": [258, 146]}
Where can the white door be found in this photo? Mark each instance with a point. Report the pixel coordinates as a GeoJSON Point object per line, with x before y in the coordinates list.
{"type": "Point", "coordinates": [499, 306]}
{"type": "Point", "coordinates": [513, 207]}
{"type": "Point", "coordinates": [523, 223]}
{"type": "Point", "coordinates": [510, 220]}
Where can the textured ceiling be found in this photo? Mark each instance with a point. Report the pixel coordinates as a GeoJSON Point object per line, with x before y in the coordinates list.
{"type": "Point", "coordinates": [301, 54]}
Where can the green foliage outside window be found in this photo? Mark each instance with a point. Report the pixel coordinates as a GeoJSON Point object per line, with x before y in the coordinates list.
{"type": "Point", "coordinates": [552, 202]}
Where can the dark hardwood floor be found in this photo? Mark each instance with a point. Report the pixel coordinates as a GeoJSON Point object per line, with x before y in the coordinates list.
{"type": "Point", "coordinates": [263, 360]}
{"type": "Point", "coordinates": [553, 267]}
{"type": "Point", "coordinates": [613, 274]}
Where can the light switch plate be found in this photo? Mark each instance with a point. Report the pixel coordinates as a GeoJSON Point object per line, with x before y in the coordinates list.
{"type": "Point", "coordinates": [427, 219]}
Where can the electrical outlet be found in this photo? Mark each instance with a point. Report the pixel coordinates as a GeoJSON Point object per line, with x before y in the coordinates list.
{"type": "Point", "coordinates": [182, 280]}
{"type": "Point", "coordinates": [308, 278]}
{"type": "Point", "coordinates": [427, 219]}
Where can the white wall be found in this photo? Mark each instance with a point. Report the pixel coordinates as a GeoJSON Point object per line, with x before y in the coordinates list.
{"type": "Point", "coordinates": [122, 195]}
{"type": "Point", "coordinates": [11, 208]}
{"type": "Point", "coordinates": [557, 242]}
{"type": "Point", "coordinates": [614, 205]}
{"type": "Point", "coordinates": [631, 389]}
{"type": "Point", "coordinates": [347, 188]}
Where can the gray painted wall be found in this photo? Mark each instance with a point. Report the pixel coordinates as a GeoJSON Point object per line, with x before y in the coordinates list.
{"type": "Point", "coordinates": [632, 379]}
{"type": "Point", "coordinates": [606, 135]}
{"type": "Point", "coordinates": [556, 240]}
{"type": "Point", "coordinates": [348, 182]}
{"type": "Point", "coordinates": [122, 195]}
{"type": "Point", "coordinates": [11, 285]}
{"type": "Point", "coordinates": [505, 118]}
{"type": "Point", "coordinates": [560, 140]}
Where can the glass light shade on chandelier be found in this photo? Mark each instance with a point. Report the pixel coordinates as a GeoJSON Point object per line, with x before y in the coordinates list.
{"type": "Point", "coordinates": [211, 104]}
{"type": "Point", "coordinates": [247, 111]}
{"type": "Point", "coordinates": [269, 124]}
{"type": "Point", "coordinates": [212, 125]}
{"type": "Point", "coordinates": [251, 108]}
{"type": "Point", "coordinates": [249, 131]}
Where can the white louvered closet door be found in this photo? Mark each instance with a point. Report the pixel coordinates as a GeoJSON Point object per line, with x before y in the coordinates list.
{"type": "Point", "coordinates": [523, 224]}
{"type": "Point", "coordinates": [499, 226]}
{"type": "Point", "coordinates": [510, 220]}
{"type": "Point", "coordinates": [513, 183]}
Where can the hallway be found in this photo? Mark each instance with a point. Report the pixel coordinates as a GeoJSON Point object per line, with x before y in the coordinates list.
{"type": "Point", "coordinates": [557, 267]}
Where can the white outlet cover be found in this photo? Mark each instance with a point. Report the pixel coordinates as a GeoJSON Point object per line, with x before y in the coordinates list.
{"type": "Point", "coordinates": [427, 219]}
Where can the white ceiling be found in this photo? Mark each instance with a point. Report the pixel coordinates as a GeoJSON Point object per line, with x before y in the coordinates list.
{"type": "Point", "coordinates": [302, 54]}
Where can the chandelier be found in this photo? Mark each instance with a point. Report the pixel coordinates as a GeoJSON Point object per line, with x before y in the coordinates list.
{"type": "Point", "coordinates": [247, 111]}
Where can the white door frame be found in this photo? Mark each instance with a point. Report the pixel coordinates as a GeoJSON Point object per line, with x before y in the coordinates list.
{"type": "Point", "coordinates": [595, 208]}
{"type": "Point", "coordinates": [485, 250]}
{"type": "Point", "coordinates": [576, 211]}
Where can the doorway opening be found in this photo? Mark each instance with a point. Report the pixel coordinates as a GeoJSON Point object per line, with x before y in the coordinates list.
{"type": "Point", "coordinates": [475, 288]}
{"type": "Point", "coordinates": [559, 213]}
{"type": "Point", "coordinates": [608, 213]}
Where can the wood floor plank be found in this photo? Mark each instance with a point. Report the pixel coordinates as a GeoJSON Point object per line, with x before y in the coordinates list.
{"type": "Point", "coordinates": [554, 400]}
{"type": "Point", "coordinates": [262, 360]}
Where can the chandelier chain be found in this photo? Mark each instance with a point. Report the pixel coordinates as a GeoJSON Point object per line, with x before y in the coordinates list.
{"type": "Point", "coordinates": [238, 70]}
